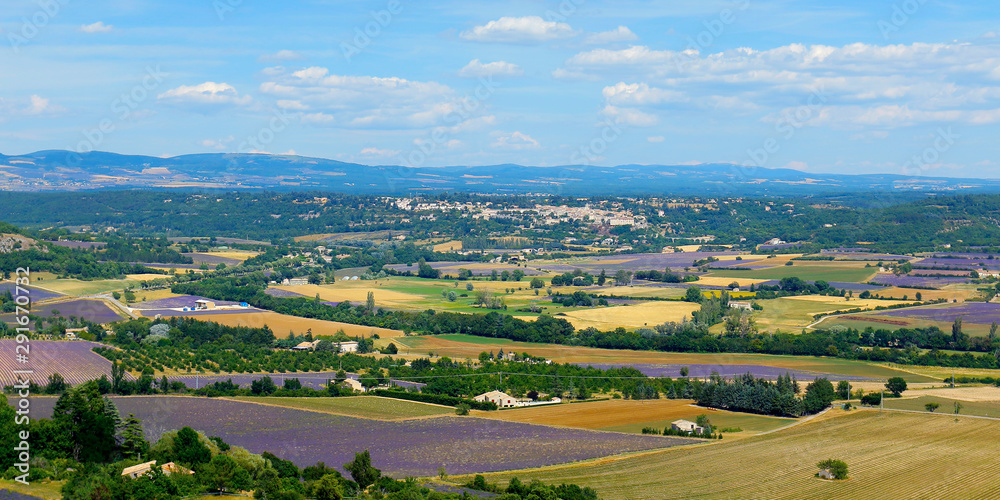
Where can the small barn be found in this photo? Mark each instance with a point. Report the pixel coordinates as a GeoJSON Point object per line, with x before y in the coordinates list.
{"type": "Point", "coordinates": [203, 304]}
{"type": "Point", "coordinates": [499, 398]}
{"type": "Point", "coordinates": [142, 469]}
{"type": "Point", "coordinates": [686, 426]}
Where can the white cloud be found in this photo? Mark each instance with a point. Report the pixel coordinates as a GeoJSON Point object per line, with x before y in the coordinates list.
{"type": "Point", "coordinates": [380, 153]}
{"type": "Point", "coordinates": [852, 86]}
{"type": "Point", "coordinates": [629, 116]}
{"type": "Point", "coordinates": [98, 27]}
{"type": "Point", "coordinates": [281, 56]}
{"type": "Point", "coordinates": [656, 139]}
{"type": "Point", "coordinates": [620, 34]}
{"type": "Point", "coordinates": [528, 29]}
{"type": "Point", "coordinates": [205, 96]}
{"type": "Point", "coordinates": [217, 144]}
{"type": "Point", "coordinates": [368, 101]}
{"type": "Point", "coordinates": [640, 94]}
{"type": "Point", "coordinates": [516, 141]}
{"type": "Point", "coordinates": [476, 69]}
{"type": "Point", "coordinates": [40, 105]}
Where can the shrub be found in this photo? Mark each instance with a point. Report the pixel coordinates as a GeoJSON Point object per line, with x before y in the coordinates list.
{"type": "Point", "coordinates": [836, 467]}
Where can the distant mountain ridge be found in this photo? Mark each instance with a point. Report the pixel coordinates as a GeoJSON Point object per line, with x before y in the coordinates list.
{"type": "Point", "coordinates": [56, 170]}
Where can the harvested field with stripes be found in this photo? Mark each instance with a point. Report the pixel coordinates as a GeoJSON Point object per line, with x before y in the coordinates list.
{"type": "Point", "coordinates": [889, 455]}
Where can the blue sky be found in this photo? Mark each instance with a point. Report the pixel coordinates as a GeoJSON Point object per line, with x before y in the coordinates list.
{"type": "Point", "coordinates": [897, 86]}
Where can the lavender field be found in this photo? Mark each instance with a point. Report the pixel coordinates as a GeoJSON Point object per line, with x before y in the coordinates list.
{"type": "Point", "coordinates": [36, 294]}
{"type": "Point", "coordinates": [462, 445]}
{"type": "Point", "coordinates": [727, 371]}
{"type": "Point", "coordinates": [91, 310]}
{"type": "Point", "coordinates": [958, 263]}
{"type": "Point", "coordinates": [453, 267]}
{"type": "Point", "coordinates": [75, 361]}
{"type": "Point", "coordinates": [971, 312]}
{"type": "Point", "coordinates": [87, 245]}
{"type": "Point", "coordinates": [919, 281]}
{"type": "Point", "coordinates": [282, 294]}
{"type": "Point", "coordinates": [179, 302]}
{"type": "Point", "coordinates": [844, 285]}
{"type": "Point", "coordinates": [212, 260]}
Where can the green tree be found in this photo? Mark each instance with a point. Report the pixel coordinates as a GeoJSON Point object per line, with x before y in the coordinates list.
{"type": "Point", "coordinates": [931, 407]}
{"type": "Point", "coordinates": [85, 417]}
{"type": "Point", "coordinates": [370, 303]}
{"type": "Point", "coordinates": [896, 385]}
{"type": "Point", "coordinates": [362, 471]}
{"type": "Point", "coordinates": [838, 468]}
{"type": "Point", "coordinates": [844, 389]}
{"type": "Point", "coordinates": [222, 473]}
{"type": "Point", "coordinates": [819, 395]}
{"type": "Point", "coordinates": [956, 329]}
{"type": "Point", "coordinates": [693, 294]}
{"type": "Point", "coordinates": [188, 449]}
{"type": "Point", "coordinates": [57, 384]}
{"type": "Point", "coordinates": [134, 444]}
{"type": "Point", "coordinates": [328, 488]}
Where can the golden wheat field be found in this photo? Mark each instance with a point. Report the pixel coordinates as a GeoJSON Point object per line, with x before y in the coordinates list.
{"type": "Point", "coordinates": [889, 455]}
{"type": "Point", "coordinates": [631, 316]}
{"type": "Point", "coordinates": [354, 292]}
{"type": "Point", "coordinates": [281, 324]}
{"type": "Point", "coordinates": [632, 415]}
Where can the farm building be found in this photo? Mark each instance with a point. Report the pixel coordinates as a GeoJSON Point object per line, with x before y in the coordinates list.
{"type": "Point", "coordinates": [825, 474]}
{"type": "Point", "coordinates": [746, 306]}
{"type": "Point", "coordinates": [686, 426]}
{"type": "Point", "coordinates": [311, 346]}
{"type": "Point", "coordinates": [295, 281]}
{"type": "Point", "coordinates": [501, 399]}
{"type": "Point", "coordinates": [203, 304]}
{"type": "Point", "coordinates": [354, 384]}
{"type": "Point", "coordinates": [168, 468]}
{"type": "Point", "coordinates": [346, 346]}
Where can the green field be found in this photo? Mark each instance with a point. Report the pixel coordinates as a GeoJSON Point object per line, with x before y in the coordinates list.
{"type": "Point", "coordinates": [977, 408]}
{"type": "Point", "coordinates": [49, 490]}
{"type": "Point", "coordinates": [371, 407]}
{"type": "Point", "coordinates": [459, 349]}
{"type": "Point", "coordinates": [889, 455]}
{"type": "Point", "coordinates": [809, 271]}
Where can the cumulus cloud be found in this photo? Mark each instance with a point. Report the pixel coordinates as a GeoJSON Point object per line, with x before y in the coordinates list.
{"type": "Point", "coordinates": [98, 27]}
{"type": "Point", "coordinates": [620, 34]}
{"type": "Point", "coordinates": [217, 144]}
{"type": "Point", "coordinates": [629, 116]}
{"type": "Point", "coordinates": [378, 153]}
{"type": "Point", "coordinates": [476, 69]}
{"type": "Point", "coordinates": [368, 101]}
{"type": "Point", "coordinates": [516, 141]}
{"type": "Point", "coordinates": [205, 96]}
{"type": "Point", "coordinates": [853, 86]}
{"type": "Point", "coordinates": [528, 29]}
{"type": "Point", "coordinates": [281, 56]}
{"type": "Point", "coordinates": [656, 139]}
